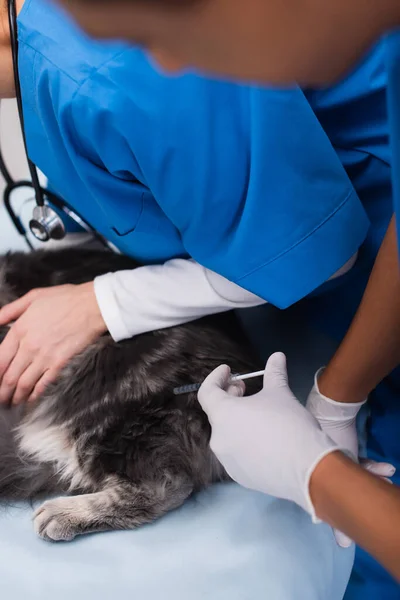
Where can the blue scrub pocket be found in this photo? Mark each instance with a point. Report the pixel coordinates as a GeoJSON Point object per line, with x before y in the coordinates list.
{"type": "Point", "coordinates": [148, 235]}
{"type": "Point", "coordinates": [125, 218]}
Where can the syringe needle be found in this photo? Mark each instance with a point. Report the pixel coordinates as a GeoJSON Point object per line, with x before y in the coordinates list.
{"type": "Point", "coordinates": [194, 387]}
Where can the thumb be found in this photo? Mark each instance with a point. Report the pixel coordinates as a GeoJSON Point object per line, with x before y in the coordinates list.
{"type": "Point", "coordinates": [378, 468]}
{"type": "Point", "coordinates": [342, 540]}
{"type": "Point", "coordinates": [276, 371]}
{"type": "Point", "coordinates": [213, 388]}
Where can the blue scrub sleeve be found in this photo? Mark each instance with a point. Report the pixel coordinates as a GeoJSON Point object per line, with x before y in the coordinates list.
{"type": "Point", "coordinates": [246, 175]}
{"type": "Point", "coordinates": [392, 44]}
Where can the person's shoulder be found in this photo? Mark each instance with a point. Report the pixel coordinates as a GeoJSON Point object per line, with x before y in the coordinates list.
{"type": "Point", "coordinates": [48, 34]}
{"type": "Point", "coordinates": [136, 76]}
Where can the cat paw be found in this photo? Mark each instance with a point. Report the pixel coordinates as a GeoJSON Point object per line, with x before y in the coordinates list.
{"type": "Point", "coordinates": [56, 521]}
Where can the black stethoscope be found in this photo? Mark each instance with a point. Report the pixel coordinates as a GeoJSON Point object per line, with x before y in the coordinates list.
{"type": "Point", "coordinates": [46, 224]}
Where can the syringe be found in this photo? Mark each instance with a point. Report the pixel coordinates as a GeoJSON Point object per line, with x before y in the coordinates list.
{"type": "Point", "coordinates": [194, 387]}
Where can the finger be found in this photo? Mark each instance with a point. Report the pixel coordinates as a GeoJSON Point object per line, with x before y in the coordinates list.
{"type": "Point", "coordinates": [11, 377]}
{"type": "Point", "coordinates": [27, 383]}
{"type": "Point", "coordinates": [276, 371]}
{"type": "Point", "coordinates": [8, 351]}
{"type": "Point", "coordinates": [342, 540]}
{"type": "Point", "coordinates": [47, 379]}
{"type": "Point", "coordinates": [11, 312]}
{"type": "Point", "coordinates": [220, 377]}
{"type": "Point", "coordinates": [236, 388]}
{"type": "Point", "coordinates": [378, 468]}
{"type": "Point", "coordinates": [214, 387]}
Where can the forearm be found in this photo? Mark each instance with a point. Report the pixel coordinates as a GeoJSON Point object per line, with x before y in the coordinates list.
{"type": "Point", "coordinates": [371, 348]}
{"type": "Point", "coordinates": [160, 296]}
{"type": "Point", "coordinates": [361, 505]}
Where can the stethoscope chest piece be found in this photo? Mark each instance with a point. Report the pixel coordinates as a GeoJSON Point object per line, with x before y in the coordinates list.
{"type": "Point", "coordinates": [46, 224]}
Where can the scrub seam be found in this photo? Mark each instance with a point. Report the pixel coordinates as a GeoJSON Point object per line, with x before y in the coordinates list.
{"type": "Point", "coordinates": [79, 84]}
{"type": "Point", "coordinates": [79, 89]}
{"type": "Point", "coordinates": [95, 71]}
{"type": "Point", "coordinates": [46, 58]}
{"type": "Point", "coordinates": [303, 239]}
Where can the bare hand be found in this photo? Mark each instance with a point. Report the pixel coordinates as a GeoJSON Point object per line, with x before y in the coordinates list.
{"type": "Point", "coordinates": [50, 326]}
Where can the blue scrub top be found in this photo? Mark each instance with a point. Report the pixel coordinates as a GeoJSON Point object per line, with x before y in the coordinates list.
{"type": "Point", "coordinates": [244, 180]}
{"type": "Point", "coordinates": [393, 63]}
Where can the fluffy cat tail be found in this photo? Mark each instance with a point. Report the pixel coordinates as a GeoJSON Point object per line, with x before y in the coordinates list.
{"type": "Point", "coordinates": [20, 478]}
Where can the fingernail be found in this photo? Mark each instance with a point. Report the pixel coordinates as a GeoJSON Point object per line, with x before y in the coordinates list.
{"type": "Point", "coordinates": [343, 541]}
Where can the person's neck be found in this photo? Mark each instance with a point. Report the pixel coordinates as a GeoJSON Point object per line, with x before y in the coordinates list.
{"type": "Point", "coordinates": [7, 89]}
{"type": "Point", "coordinates": [393, 11]}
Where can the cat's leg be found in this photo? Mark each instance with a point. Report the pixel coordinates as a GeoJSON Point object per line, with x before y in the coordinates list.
{"type": "Point", "coordinates": [120, 506]}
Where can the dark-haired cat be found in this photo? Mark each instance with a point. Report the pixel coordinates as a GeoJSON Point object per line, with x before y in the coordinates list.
{"type": "Point", "coordinates": [110, 431]}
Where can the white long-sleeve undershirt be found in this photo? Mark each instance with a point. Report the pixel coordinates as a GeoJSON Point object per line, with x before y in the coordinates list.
{"type": "Point", "coordinates": [159, 296]}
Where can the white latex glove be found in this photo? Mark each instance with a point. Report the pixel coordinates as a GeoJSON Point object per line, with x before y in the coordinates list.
{"type": "Point", "coordinates": [338, 420]}
{"type": "Point", "coordinates": [267, 442]}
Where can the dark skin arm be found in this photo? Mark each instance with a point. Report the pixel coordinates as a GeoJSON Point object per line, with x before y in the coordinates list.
{"type": "Point", "coordinates": [350, 499]}
{"type": "Point", "coordinates": [360, 504]}
{"type": "Point", "coordinates": [371, 348]}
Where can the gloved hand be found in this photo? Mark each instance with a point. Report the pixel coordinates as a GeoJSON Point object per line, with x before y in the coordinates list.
{"type": "Point", "coordinates": [267, 442]}
{"type": "Point", "coordinates": [338, 420]}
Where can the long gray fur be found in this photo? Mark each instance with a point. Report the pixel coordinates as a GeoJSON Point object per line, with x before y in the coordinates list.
{"type": "Point", "coordinates": [110, 432]}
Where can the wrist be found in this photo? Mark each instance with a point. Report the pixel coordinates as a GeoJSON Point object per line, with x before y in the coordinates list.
{"type": "Point", "coordinates": [107, 291]}
{"type": "Point", "coordinates": [333, 384]}
{"type": "Point", "coordinates": [319, 446]}
{"type": "Point", "coordinates": [95, 318]}
{"type": "Point", "coordinates": [347, 406]}
{"type": "Point", "coordinates": [326, 480]}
